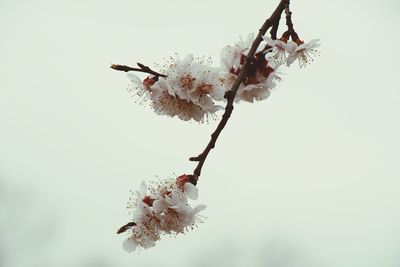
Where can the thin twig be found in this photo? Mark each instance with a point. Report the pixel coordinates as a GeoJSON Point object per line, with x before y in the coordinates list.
{"type": "Point", "coordinates": [142, 68]}
{"type": "Point", "coordinates": [126, 227]}
{"type": "Point", "coordinates": [289, 22]}
{"type": "Point", "coordinates": [230, 95]}
{"type": "Point", "coordinates": [275, 27]}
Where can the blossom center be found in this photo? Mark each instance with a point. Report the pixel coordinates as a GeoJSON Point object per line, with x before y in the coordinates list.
{"type": "Point", "coordinates": [148, 200]}
{"type": "Point", "coordinates": [205, 88]}
{"type": "Point", "coordinates": [187, 82]}
{"type": "Point", "coordinates": [181, 180]}
{"type": "Point", "coordinates": [148, 82]}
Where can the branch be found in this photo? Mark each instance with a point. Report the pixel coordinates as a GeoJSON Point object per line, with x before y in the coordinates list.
{"type": "Point", "coordinates": [230, 95]}
{"type": "Point", "coordinates": [126, 227]}
{"type": "Point", "coordinates": [275, 26]}
{"type": "Point", "coordinates": [289, 23]}
{"type": "Point", "coordinates": [142, 68]}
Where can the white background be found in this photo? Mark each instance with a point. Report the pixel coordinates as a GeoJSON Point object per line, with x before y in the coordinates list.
{"type": "Point", "coordinates": [308, 177]}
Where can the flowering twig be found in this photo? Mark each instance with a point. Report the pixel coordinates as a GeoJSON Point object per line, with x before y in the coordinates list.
{"type": "Point", "coordinates": [142, 68]}
{"type": "Point", "coordinates": [190, 88]}
{"type": "Point", "coordinates": [230, 95]}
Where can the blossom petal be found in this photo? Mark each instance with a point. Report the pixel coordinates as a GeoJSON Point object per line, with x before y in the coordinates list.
{"type": "Point", "coordinates": [135, 79]}
{"type": "Point", "coordinates": [269, 41]}
{"type": "Point", "coordinates": [129, 245]}
{"type": "Point", "coordinates": [199, 208]}
{"type": "Point", "coordinates": [160, 205]}
{"type": "Point", "coordinates": [314, 43]}
{"type": "Point", "coordinates": [143, 188]}
{"type": "Point", "coordinates": [291, 58]}
{"type": "Point", "coordinates": [290, 47]}
{"type": "Point", "coordinates": [191, 191]}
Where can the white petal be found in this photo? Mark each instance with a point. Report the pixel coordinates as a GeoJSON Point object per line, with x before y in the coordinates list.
{"type": "Point", "coordinates": [301, 47]}
{"type": "Point", "coordinates": [164, 85]}
{"type": "Point", "coordinates": [191, 191]}
{"type": "Point", "coordinates": [177, 200]}
{"type": "Point", "coordinates": [291, 58]}
{"type": "Point", "coordinates": [129, 245]}
{"type": "Point", "coordinates": [313, 43]}
{"type": "Point", "coordinates": [147, 243]}
{"type": "Point", "coordinates": [250, 39]}
{"type": "Point", "coordinates": [160, 205]}
{"type": "Point", "coordinates": [143, 188]}
{"type": "Point", "coordinates": [218, 93]}
{"type": "Point", "coordinates": [199, 208]}
{"type": "Point", "coordinates": [188, 59]}
{"type": "Point", "coordinates": [290, 47]}
{"type": "Point", "coordinates": [269, 41]}
{"type": "Point", "coordinates": [135, 79]}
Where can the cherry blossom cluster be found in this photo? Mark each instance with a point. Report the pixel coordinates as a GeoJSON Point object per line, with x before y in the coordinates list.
{"type": "Point", "coordinates": [162, 208]}
{"type": "Point", "coordinates": [193, 89]}
{"type": "Point", "coordinates": [284, 51]}
{"type": "Point", "coordinates": [261, 75]}
{"type": "Point", "coordinates": [190, 88]}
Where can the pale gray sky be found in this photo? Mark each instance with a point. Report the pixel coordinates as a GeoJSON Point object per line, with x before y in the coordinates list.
{"type": "Point", "coordinates": [310, 175]}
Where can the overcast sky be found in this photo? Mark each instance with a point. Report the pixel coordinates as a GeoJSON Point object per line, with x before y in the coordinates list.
{"type": "Point", "coordinates": [308, 177]}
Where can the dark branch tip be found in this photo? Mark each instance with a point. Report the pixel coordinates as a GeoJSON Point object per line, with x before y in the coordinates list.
{"type": "Point", "coordinates": [194, 159]}
{"type": "Point", "coordinates": [193, 179]}
{"type": "Point", "coordinates": [125, 227]}
{"type": "Point", "coordinates": [114, 66]}
{"type": "Point", "coordinates": [141, 65]}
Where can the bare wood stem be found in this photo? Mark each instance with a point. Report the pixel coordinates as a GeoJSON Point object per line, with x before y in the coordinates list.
{"type": "Point", "coordinates": [142, 68]}
{"type": "Point", "coordinates": [289, 22]}
{"type": "Point", "coordinates": [230, 95]}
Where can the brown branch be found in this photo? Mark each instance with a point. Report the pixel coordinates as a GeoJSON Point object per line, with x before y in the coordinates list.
{"type": "Point", "coordinates": [274, 30]}
{"type": "Point", "coordinates": [125, 227]}
{"type": "Point", "coordinates": [142, 68]}
{"type": "Point", "coordinates": [289, 22]}
{"type": "Point", "coordinates": [275, 27]}
{"type": "Point", "coordinates": [230, 95]}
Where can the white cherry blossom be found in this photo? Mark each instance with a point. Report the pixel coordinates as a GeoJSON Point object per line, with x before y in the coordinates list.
{"type": "Point", "coordinates": [255, 88]}
{"type": "Point", "coordinates": [164, 209]}
{"type": "Point", "coordinates": [189, 91]}
{"type": "Point", "coordinates": [138, 88]}
{"type": "Point", "coordinates": [279, 51]}
{"type": "Point", "coordinates": [146, 228]}
{"type": "Point", "coordinates": [178, 216]}
{"type": "Point", "coordinates": [304, 52]}
{"type": "Point", "coordinates": [232, 57]}
{"type": "Point", "coordinates": [166, 102]}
